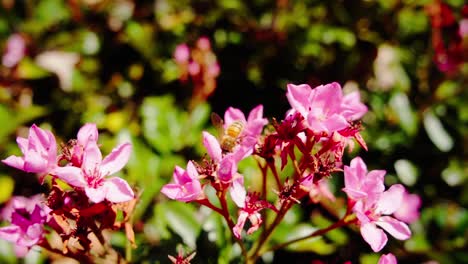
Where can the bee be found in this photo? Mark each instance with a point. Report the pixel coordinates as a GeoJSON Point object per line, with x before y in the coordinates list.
{"type": "Point", "coordinates": [231, 135]}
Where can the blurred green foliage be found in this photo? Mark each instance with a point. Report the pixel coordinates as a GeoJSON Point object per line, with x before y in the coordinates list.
{"type": "Point", "coordinates": [116, 70]}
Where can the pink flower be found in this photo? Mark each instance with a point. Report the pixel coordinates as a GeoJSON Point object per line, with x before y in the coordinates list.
{"type": "Point", "coordinates": [27, 217]}
{"type": "Point", "coordinates": [94, 170]}
{"type": "Point", "coordinates": [375, 212]}
{"type": "Point", "coordinates": [361, 184]}
{"type": "Point", "coordinates": [324, 107]}
{"type": "Point", "coordinates": [186, 186]}
{"type": "Point", "coordinates": [15, 50]}
{"type": "Point", "coordinates": [39, 150]}
{"type": "Point", "coordinates": [182, 53]}
{"type": "Point", "coordinates": [226, 167]}
{"type": "Point", "coordinates": [250, 210]}
{"type": "Point", "coordinates": [204, 44]}
{"type": "Point", "coordinates": [387, 259]}
{"type": "Point", "coordinates": [409, 209]}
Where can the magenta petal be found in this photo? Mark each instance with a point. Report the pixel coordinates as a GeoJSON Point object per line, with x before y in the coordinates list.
{"type": "Point", "coordinates": [335, 123]}
{"type": "Point", "coordinates": [118, 190]}
{"type": "Point", "coordinates": [192, 171]}
{"type": "Point", "coordinates": [212, 146]}
{"type": "Point", "coordinates": [117, 159]}
{"type": "Point", "coordinates": [390, 200]}
{"type": "Point", "coordinates": [374, 236]}
{"type": "Point", "coordinates": [233, 114]}
{"type": "Point", "coordinates": [38, 139]}
{"type": "Point", "coordinates": [394, 227]}
{"type": "Point", "coordinates": [96, 195]}
{"type": "Point", "coordinates": [15, 162]}
{"type": "Point", "coordinates": [71, 175]}
{"type": "Point", "coordinates": [298, 97]}
{"type": "Point", "coordinates": [88, 132]}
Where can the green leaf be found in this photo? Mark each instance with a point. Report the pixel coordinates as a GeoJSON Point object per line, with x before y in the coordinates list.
{"type": "Point", "coordinates": [402, 107]}
{"type": "Point", "coordinates": [27, 69]}
{"type": "Point", "coordinates": [436, 132]}
{"type": "Point", "coordinates": [406, 171]}
{"type": "Point", "coordinates": [182, 219]}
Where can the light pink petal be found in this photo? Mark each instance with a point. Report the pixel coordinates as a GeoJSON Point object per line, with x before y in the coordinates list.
{"type": "Point", "coordinates": [390, 200]}
{"type": "Point", "coordinates": [394, 227]}
{"type": "Point", "coordinates": [233, 114]}
{"type": "Point", "coordinates": [351, 179]}
{"type": "Point", "coordinates": [256, 113]}
{"type": "Point", "coordinates": [182, 53]}
{"type": "Point", "coordinates": [88, 132]}
{"type": "Point", "coordinates": [335, 123]}
{"type": "Point", "coordinates": [34, 162]}
{"type": "Point", "coordinates": [298, 97]}
{"type": "Point", "coordinates": [71, 175]}
{"type": "Point", "coordinates": [254, 128]}
{"type": "Point", "coordinates": [92, 157]}
{"type": "Point", "coordinates": [38, 139]}
{"type": "Point", "coordinates": [352, 108]}
{"type": "Point", "coordinates": [21, 251]}
{"type": "Point", "coordinates": [255, 220]}
{"type": "Point", "coordinates": [15, 162]}
{"type": "Point", "coordinates": [238, 192]}
{"type": "Point", "coordinates": [171, 190]}
{"type": "Point", "coordinates": [375, 180]}
{"type": "Point", "coordinates": [10, 233]}
{"type": "Point", "coordinates": [360, 168]}
{"type": "Point", "coordinates": [374, 236]}
{"type": "Point", "coordinates": [117, 159]}
{"type": "Point", "coordinates": [96, 195]}
{"type": "Point", "coordinates": [409, 209]}
{"type": "Point", "coordinates": [192, 170]}
{"type": "Point", "coordinates": [237, 229]}
{"type": "Point", "coordinates": [387, 259]}
{"type": "Point", "coordinates": [118, 190]}
{"type": "Point", "coordinates": [328, 97]}
{"type": "Point", "coordinates": [212, 146]}
{"type": "Point", "coordinates": [23, 144]}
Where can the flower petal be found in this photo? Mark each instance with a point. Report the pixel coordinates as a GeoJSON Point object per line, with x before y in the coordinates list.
{"type": "Point", "coordinates": [96, 195]}
{"type": "Point", "coordinates": [15, 162]}
{"type": "Point", "coordinates": [394, 227]}
{"type": "Point", "coordinates": [71, 175]}
{"type": "Point", "coordinates": [92, 158]}
{"type": "Point", "coordinates": [212, 146]}
{"type": "Point", "coordinates": [390, 200]}
{"type": "Point", "coordinates": [117, 159]}
{"type": "Point", "coordinates": [387, 259]}
{"type": "Point", "coordinates": [118, 190]}
{"type": "Point", "coordinates": [374, 236]}
{"type": "Point", "coordinates": [298, 97]}
{"type": "Point", "coordinates": [34, 162]}
{"type": "Point", "coordinates": [233, 114]}
{"type": "Point", "coordinates": [88, 132]}
{"type": "Point", "coordinates": [238, 192]}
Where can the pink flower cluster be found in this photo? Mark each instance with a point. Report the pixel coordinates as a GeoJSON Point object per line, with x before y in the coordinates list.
{"type": "Point", "coordinates": [200, 66]}
{"type": "Point", "coordinates": [81, 166]}
{"type": "Point", "coordinates": [27, 217]}
{"type": "Point", "coordinates": [313, 136]}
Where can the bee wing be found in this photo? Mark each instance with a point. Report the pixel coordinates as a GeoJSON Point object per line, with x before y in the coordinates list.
{"type": "Point", "coordinates": [217, 123]}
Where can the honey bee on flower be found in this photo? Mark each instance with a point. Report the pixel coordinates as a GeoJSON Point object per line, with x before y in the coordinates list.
{"type": "Point", "coordinates": [230, 136]}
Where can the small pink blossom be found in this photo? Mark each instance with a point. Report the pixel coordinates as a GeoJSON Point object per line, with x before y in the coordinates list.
{"type": "Point", "coordinates": [361, 184]}
{"type": "Point", "coordinates": [324, 107]}
{"type": "Point", "coordinates": [186, 186]}
{"type": "Point", "coordinates": [387, 259]}
{"type": "Point", "coordinates": [91, 176]}
{"type": "Point", "coordinates": [27, 217]}
{"type": "Point", "coordinates": [376, 212]}
{"type": "Point", "coordinates": [204, 44]}
{"type": "Point", "coordinates": [15, 50]}
{"type": "Point", "coordinates": [39, 152]}
{"type": "Point", "coordinates": [251, 211]}
{"type": "Point", "coordinates": [182, 53]}
{"type": "Point", "coordinates": [409, 209]}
